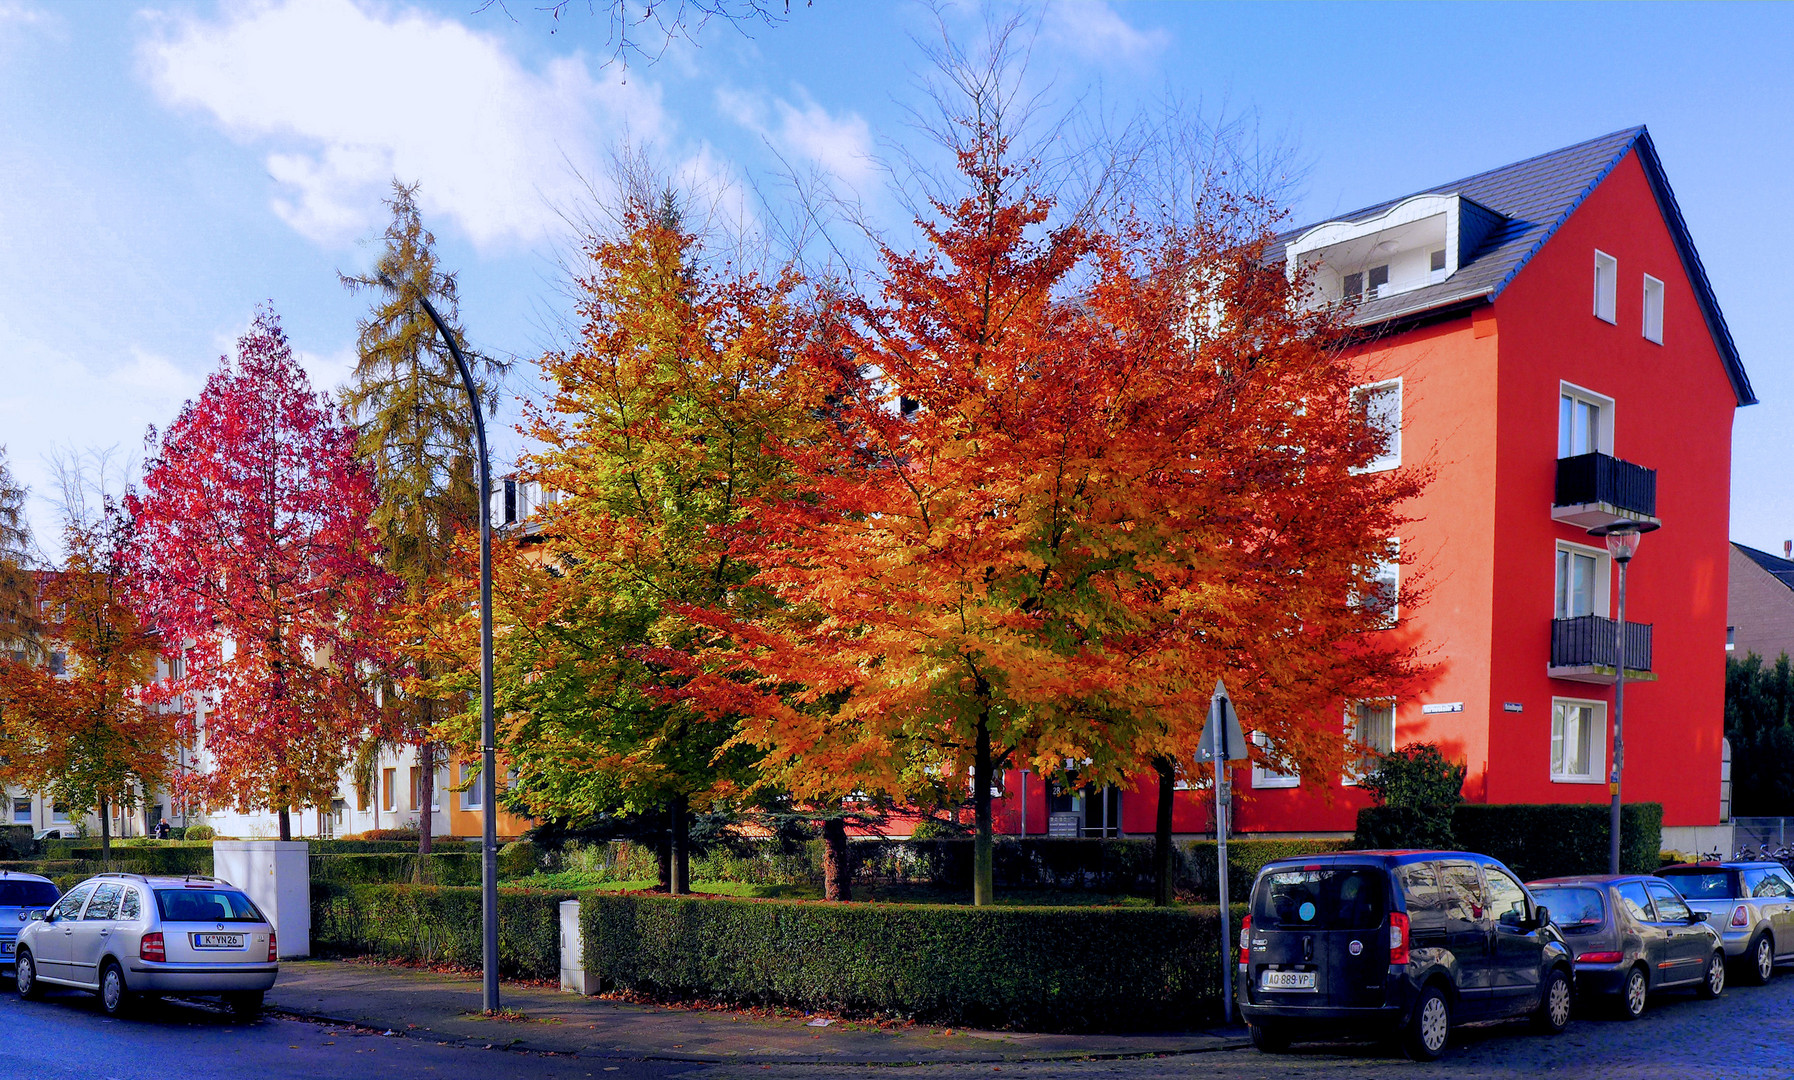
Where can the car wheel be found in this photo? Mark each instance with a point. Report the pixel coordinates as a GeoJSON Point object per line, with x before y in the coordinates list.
{"type": "Point", "coordinates": [1714, 984]}
{"type": "Point", "coordinates": [1554, 1004]}
{"type": "Point", "coordinates": [25, 978]}
{"type": "Point", "coordinates": [1633, 995]}
{"type": "Point", "coordinates": [246, 1006]}
{"type": "Point", "coordinates": [1760, 960]}
{"type": "Point", "coordinates": [1269, 1039]}
{"type": "Point", "coordinates": [1429, 1030]}
{"type": "Point", "coordinates": [115, 997]}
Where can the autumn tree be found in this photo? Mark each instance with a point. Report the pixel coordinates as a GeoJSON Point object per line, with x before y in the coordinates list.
{"type": "Point", "coordinates": [1108, 467]}
{"type": "Point", "coordinates": [255, 550]}
{"type": "Point", "coordinates": [414, 429]}
{"type": "Point", "coordinates": [655, 435]}
{"type": "Point", "coordinates": [88, 737]}
{"type": "Point", "coordinates": [18, 606]}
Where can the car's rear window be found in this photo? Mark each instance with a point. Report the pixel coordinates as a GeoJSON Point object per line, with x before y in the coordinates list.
{"type": "Point", "coordinates": [27, 894]}
{"type": "Point", "coordinates": [1702, 884]}
{"type": "Point", "coordinates": [1334, 898]}
{"type": "Point", "coordinates": [1572, 906]}
{"type": "Point", "coordinates": [206, 905]}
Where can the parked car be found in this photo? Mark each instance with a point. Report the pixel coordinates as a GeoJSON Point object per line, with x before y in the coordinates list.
{"type": "Point", "coordinates": [1633, 936]}
{"type": "Point", "coordinates": [22, 898]}
{"type": "Point", "coordinates": [1405, 943]}
{"type": "Point", "coordinates": [1751, 904]}
{"type": "Point", "coordinates": [48, 834]}
{"type": "Point", "coordinates": [127, 936]}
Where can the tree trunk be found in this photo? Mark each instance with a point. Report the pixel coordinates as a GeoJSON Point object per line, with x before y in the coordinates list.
{"type": "Point", "coordinates": [983, 861]}
{"type": "Point", "coordinates": [105, 833]}
{"type": "Point", "coordinates": [681, 884]}
{"type": "Point", "coordinates": [1164, 856]}
{"type": "Point", "coordinates": [663, 848]}
{"type": "Point", "coordinates": [426, 794]}
{"type": "Point", "coordinates": [837, 872]}
{"type": "Point", "coordinates": [286, 823]}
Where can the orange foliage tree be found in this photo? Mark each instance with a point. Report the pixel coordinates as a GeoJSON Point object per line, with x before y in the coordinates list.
{"type": "Point", "coordinates": [1132, 465]}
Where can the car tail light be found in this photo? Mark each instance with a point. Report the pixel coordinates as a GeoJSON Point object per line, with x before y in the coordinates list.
{"type": "Point", "coordinates": [1598, 958]}
{"type": "Point", "coordinates": [1740, 917]}
{"type": "Point", "coordinates": [1245, 941]}
{"type": "Point", "coordinates": [151, 948]}
{"type": "Point", "coordinates": [273, 954]}
{"type": "Point", "coordinates": [1398, 938]}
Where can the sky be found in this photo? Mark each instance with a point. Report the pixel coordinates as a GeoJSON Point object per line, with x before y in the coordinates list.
{"type": "Point", "coordinates": [165, 168]}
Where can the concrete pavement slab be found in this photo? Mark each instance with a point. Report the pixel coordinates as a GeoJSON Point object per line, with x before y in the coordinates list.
{"type": "Point", "coordinates": [446, 1007]}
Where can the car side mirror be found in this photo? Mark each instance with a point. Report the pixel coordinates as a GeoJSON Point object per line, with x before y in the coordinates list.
{"type": "Point", "coordinates": [1695, 916]}
{"type": "Point", "coordinates": [48, 916]}
{"type": "Point", "coordinates": [1541, 916]}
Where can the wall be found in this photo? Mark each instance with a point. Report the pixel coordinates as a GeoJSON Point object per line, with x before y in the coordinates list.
{"type": "Point", "coordinates": [1673, 412]}
{"type": "Point", "coordinates": [1760, 608]}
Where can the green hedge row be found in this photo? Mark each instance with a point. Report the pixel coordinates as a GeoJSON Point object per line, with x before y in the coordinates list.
{"type": "Point", "coordinates": [1030, 968]}
{"type": "Point", "coordinates": [16, 842]}
{"type": "Point", "coordinates": [183, 859]}
{"type": "Point", "coordinates": [1535, 840]}
{"type": "Point", "coordinates": [439, 868]}
{"type": "Point", "coordinates": [437, 925]}
{"type": "Point", "coordinates": [388, 847]}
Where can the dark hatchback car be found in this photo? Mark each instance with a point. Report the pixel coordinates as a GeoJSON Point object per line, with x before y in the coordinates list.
{"type": "Point", "coordinates": [1397, 943]}
{"type": "Point", "coordinates": [1633, 937]}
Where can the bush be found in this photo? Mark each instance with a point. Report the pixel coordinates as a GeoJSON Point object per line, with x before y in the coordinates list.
{"type": "Point", "coordinates": [430, 924]}
{"type": "Point", "coordinates": [1553, 839]}
{"type": "Point", "coordinates": [387, 847]}
{"type": "Point", "coordinates": [163, 859]}
{"type": "Point", "coordinates": [1401, 827]}
{"type": "Point", "coordinates": [1422, 789]}
{"type": "Point", "coordinates": [51, 868]}
{"type": "Point", "coordinates": [201, 832]}
{"type": "Point", "coordinates": [393, 868]}
{"type": "Point", "coordinates": [388, 834]}
{"type": "Point", "coordinates": [1038, 968]}
{"type": "Point", "coordinates": [16, 842]}
{"type": "Point", "coordinates": [520, 858]}
{"type": "Point", "coordinates": [1244, 859]}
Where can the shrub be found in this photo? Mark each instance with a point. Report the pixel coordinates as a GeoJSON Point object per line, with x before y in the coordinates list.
{"type": "Point", "coordinates": [16, 842]}
{"type": "Point", "coordinates": [1038, 968]}
{"type": "Point", "coordinates": [519, 858]}
{"type": "Point", "coordinates": [388, 834]}
{"type": "Point", "coordinates": [387, 847]}
{"type": "Point", "coordinates": [1244, 860]}
{"type": "Point", "coordinates": [392, 868]}
{"type": "Point", "coordinates": [437, 925]}
{"type": "Point", "coordinates": [1422, 786]}
{"type": "Point", "coordinates": [1552, 839]}
{"type": "Point", "coordinates": [201, 832]}
{"type": "Point", "coordinates": [1401, 827]}
{"type": "Point", "coordinates": [162, 859]}
{"type": "Point", "coordinates": [615, 860]}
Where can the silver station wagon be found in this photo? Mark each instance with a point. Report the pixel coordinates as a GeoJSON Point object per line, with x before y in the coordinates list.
{"type": "Point", "coordinates": [129, 936]}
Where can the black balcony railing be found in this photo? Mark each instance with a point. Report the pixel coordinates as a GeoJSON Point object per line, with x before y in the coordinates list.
{"type": "Point", "coordinates": [1602, 478]}
{"type": "Point", "coordinates": [1588, 641]}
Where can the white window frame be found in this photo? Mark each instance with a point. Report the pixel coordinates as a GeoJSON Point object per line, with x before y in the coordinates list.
{"type": "Point", "coordinates": [1607, 287]}
{"type": "Point", "coordinates": [470, 795]}
{"type": "Point", "coordinates": [1653, 310]}
{"type": "Point", "coordinates": [442, 781]}
{"type": "Point", "coordinates": [1597, 751]}
{"type": "Point", "coordinates": [1603, 577]}
{"type": "Point", "coordinates": [1603, 437]}
{"type": "Point", "coordinates": [1392, 454]}
{"type": "Point", "coordinates": [389, 793]}
{"type": "Point", "coordinates": [1394, 563]}
{"type": "Point", "coordinates": [59, 814]}
{"type": "Point", "coordinates": [1266, 778]}
{"type": "Point", "coordinates": [1353, 769]}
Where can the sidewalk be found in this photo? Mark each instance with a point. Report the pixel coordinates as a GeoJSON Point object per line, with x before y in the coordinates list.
{"type": "Point", "coordinates": [445, 1008]}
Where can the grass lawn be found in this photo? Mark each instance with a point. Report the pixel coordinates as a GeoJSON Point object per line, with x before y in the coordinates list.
{"type": "Point", "coordinates": [888, 894]}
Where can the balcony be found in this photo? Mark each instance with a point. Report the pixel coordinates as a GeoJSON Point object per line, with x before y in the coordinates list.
{"type": "Point", "coordinates": [1583, 650]}
{"type": "Point", "coordinates": [1598, 489]}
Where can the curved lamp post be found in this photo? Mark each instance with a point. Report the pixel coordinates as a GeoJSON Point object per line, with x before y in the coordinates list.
{"type": "Point", "coordinates": [1622, 543]}
{"type": "Point", "coordinates": [488, 737]}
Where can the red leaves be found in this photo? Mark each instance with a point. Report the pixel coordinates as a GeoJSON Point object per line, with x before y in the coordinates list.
{"type": "Point", "coordinates": [256, 551]}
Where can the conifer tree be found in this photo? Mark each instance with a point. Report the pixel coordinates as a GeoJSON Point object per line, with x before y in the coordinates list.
{"type": "Point", "coordinates": [414, 429]}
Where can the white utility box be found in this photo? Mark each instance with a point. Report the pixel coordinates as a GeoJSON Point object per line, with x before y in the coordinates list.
{"type": "Point", "coordinates": [574, 979]}
{"type": "Point", "coordinates": [276, 876]}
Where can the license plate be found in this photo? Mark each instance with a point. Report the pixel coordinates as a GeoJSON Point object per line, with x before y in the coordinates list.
{"type": "Point", "coordinates": [1286, 980]}
{"type": "Point", "coordinates": [217, 941]}
{"type": "Point", "coordinates": [5, 948]}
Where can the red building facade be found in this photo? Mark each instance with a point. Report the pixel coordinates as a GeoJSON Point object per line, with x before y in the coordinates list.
{"type": "Point", "coordinates": [1547, 337]}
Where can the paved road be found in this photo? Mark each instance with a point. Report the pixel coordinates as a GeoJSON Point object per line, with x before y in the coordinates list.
{"type": "Point", "coordinates": [1747, 1034]}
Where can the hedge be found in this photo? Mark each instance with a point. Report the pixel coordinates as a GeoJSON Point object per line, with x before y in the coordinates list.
{"type": "Point", "coordinates": [437, 925]}
{"type": "Point", "coordinates": [1030, 968]}
{"type": "Point", "coordinates": [16, 842]}
{"type": "Point", "coordinates": [169, 859]}
{"type": "Point", "coordinates": [440, 868]}
{"type": "Point", "coordinates": [1244, 859]}
{"type": "Point", "coordinates": [1535, 840]}
{"type": "Point", "coordinates": [388, 847]}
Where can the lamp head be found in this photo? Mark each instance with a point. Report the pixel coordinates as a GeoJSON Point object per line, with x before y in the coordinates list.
{"type": "Point", "coordinates": [1622, 537]}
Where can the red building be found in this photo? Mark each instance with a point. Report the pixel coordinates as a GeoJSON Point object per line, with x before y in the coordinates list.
{"type": "Point", "coordinates": [1544, 335]}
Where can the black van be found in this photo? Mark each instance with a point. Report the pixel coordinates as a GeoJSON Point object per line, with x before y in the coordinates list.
{"type": "Point", "coordinates": [1406, 943]}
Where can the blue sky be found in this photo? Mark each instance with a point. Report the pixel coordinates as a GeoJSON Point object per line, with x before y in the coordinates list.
{"type": "Point", "coordinates": [166, 167]}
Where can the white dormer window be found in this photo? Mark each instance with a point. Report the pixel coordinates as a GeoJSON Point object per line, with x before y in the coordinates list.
{"type": "Point", "coordinates": [1417, 242]}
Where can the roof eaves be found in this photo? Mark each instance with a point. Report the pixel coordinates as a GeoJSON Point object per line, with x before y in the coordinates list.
{"type": "Point", "coordinates": [1697, 273]}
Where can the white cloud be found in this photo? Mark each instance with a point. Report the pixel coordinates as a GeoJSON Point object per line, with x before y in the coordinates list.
{"type": "Point", "coordinates": [841, 145]}
{"type": "Point", "coordinates": [343, 99]}
{"type": "Point", "coordinates": [1096, 31]}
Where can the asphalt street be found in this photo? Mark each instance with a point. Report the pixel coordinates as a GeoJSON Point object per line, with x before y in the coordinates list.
{"type": "Point", "coordinates": [1748, 1033]}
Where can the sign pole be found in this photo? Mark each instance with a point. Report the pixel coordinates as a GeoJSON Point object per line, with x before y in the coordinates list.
{"type": "Point", "coordinates": [1218, 725]}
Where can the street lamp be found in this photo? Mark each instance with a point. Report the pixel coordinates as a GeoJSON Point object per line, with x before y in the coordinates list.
{"type": "Point", "coordinates": [488, 736]}
{"type": "Point", "coordinates": [1622, 543]}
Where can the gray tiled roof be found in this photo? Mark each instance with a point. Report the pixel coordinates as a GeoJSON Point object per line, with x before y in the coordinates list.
{"type": "Point", "coordinates": [1781, 568]}
{"type": "Point", "coordinates": [1535, 197]}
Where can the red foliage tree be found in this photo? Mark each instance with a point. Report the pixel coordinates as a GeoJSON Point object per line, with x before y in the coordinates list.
{"type": "Point", "coordinates": [256, 552]}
